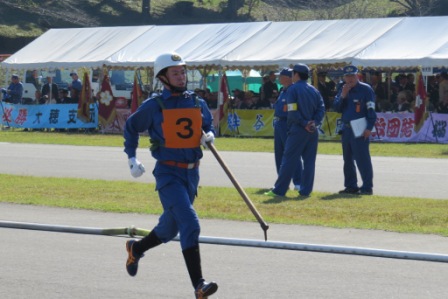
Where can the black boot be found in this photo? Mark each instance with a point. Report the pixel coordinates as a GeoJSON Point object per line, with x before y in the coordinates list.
{"type": "Point", "coordinates": [136, 249]}
{"type": "Point", "coordinates": [148, 242]}
{"type": "Point", "coordinates": [202, 289]}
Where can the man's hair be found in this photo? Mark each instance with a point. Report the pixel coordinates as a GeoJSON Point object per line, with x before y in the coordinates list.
{"type": "Point", "coordinates": [303, 76]}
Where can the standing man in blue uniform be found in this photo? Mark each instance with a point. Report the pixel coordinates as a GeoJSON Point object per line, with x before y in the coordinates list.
{"type": "Point", "coordinates": [356, 100]}
{"type": "Point", "coordinates": [306, 111]}
{"type": "Point", "coordinates": [281, 128]}
{"type": "Point", "coordinates": [14, 92]}
{"type": "Point", "coordinates": [175, 122]}
{"type": "Point", "coordinates": [75, 87]}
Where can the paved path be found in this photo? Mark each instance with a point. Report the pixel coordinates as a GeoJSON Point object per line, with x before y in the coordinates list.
{"type": "Point", "coordinates": [37, 264]}
{"type": "Point", "coordinates": [410, 177]}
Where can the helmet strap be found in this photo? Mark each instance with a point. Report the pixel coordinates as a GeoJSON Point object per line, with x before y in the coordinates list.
{"type": "Point", "coordinates": [173, 88]}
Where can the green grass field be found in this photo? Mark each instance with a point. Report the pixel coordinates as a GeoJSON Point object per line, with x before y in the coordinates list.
{"type": "Point", "coordinates": [398, 214]}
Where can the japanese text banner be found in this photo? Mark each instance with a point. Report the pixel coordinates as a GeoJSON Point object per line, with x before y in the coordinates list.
{"type": "Point", "coordinates": [59, 116]}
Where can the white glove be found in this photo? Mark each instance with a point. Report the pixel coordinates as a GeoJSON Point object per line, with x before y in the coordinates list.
{"type": "Point", "coordinates": [137, 168]}
{"type": "Point", "coordinates": [207, 137]}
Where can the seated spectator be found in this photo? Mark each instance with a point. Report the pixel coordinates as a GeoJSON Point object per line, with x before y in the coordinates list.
{"type": "Point", "coordinates": [64, 98]}
{"type": "Point", "coordinates": [404, 100]}
{"type": "Point", "coordinates": [379, 88]}
{"type": "Point", "coordinates": [269, 88]}
{"type": "Point", "coordinates": [433, 89]}
{"type": "Point", "coordinates": [411, 81]}
{"type": "Point", "coordinates": [248, 101]}
{"type": "Point", "coordinates": [384, 106]}
{"type": "Point", "coordinates": [38, 98]}
{"type": "Point", "coordinates": [212, 100]}
{"type": "Point", "coordinates": [234, 103]}
{"type": "Point", "coordinates": [401, 83]}
{"type": "Point", "coordinates": [238, 94]}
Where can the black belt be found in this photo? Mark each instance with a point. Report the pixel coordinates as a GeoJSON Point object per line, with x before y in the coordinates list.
{"type": "Point", "coordinates": [280, 118]}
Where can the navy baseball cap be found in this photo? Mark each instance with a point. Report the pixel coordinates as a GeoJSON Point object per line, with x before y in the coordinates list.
{"type": "Point", "coordinates": [350, 70]}
{"type": "Point", "coordinates": [301, 68]}
{"type": "Point", "coordinates": [286, 72]}
{"type": "Point", "coordinates": [73, 73]}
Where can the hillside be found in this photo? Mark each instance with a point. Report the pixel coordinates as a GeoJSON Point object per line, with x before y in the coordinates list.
{"type": "Point", "coordinates": [23, 20]}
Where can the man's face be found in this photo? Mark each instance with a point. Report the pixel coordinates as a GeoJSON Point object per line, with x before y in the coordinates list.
{"type": "Point", "coordinates": [285, 80]}
{"type": "Point", "coordinates": [351, 80]}
{"type": "Point", "coordinates": [177, 76]}
{"type": "Point", "coordinates": [75, 77]}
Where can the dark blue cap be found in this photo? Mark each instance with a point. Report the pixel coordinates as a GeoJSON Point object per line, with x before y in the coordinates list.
{"type": "Point", "coordinates": [350, 70]}
{"type": "Point", "coordinates": [286, 72]}
{"type": "Point", "coordinates": [301, 68]}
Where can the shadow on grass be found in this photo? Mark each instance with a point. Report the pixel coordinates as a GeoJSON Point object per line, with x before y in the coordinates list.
{"type": "Point", "coordinates": [261, 191]}
{"type": "Point", "coordinates": [340, 196]}
{"type": "Point", "coordinates": [279, 199]}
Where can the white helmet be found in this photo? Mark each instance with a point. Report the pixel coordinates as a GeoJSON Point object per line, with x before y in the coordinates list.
{"type": "Point", "coordinates": [167, 60]}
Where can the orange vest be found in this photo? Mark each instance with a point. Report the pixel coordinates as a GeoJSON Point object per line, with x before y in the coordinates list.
{"type": "Point", "coordinates": [182, 127]}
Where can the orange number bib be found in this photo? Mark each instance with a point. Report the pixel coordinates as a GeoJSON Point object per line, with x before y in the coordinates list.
{"type": "Point", "coordinates": [182, 128]}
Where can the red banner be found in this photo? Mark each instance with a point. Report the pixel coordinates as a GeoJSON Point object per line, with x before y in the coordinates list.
{"type": "Point", "coordinates": [420, 103]}
{"type": "Point", "coordinates": [106, 103]}
{"type": "Point", "coordinates": [137, 95]}
{"type": "Point", "coordinates": [85, 99]}
{"type": "Point", "coordinates": [223, 95]}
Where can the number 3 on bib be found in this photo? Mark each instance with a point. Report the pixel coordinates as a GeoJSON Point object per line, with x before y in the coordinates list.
{"type": "Point", "coordinates": [182, 128]}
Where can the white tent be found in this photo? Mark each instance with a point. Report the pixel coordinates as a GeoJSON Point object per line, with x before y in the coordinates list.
{"type": "Point", "coordinates": [388, 42]}
{"type": "Point", "coordinates": [311, 42]}
{"type": "Point", "coordinates": [412, 42]}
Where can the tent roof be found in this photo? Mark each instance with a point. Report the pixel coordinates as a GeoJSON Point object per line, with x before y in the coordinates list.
{"type": "Point", "coordinates": [412, 42]}
{"type": "Point", "coordinates": [388, 42]}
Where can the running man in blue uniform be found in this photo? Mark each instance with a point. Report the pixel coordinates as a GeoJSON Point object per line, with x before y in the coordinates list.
{"type": "Point", "coordinates": [175, 122]}
{"type": "Point", "coordinates": [356, 100]}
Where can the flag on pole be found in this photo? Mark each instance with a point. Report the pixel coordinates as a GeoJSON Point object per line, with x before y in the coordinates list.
{"type": "Point", "coordinates": [420, 103]}
{"type": "Point", "coordinates": [137, 94]}
{"type": "Point", "coordinates": [223, 95]}
{"type": "Point", "coordinates": [106, 103]}
{"type": "Point", "coordinates": [85, 99]}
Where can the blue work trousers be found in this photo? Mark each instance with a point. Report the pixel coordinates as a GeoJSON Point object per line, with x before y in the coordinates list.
{"type": "Point", "coordinates": [299, 144]}
{"type": "Point", "coordinates": [356, 150]}
{"type": "Point", "coordinates": [177, 189]}
{"type": "Point", "coordinates": [280, 135]}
